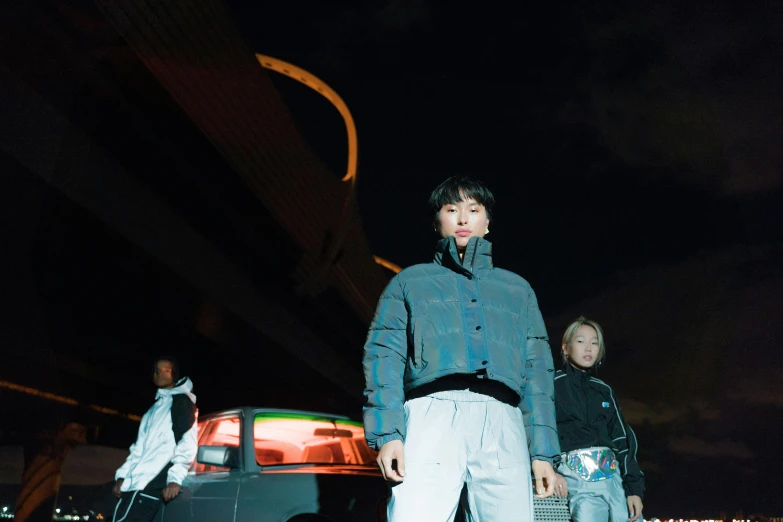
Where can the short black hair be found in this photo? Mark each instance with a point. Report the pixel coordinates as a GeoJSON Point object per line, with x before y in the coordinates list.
{"type": "Point", "coordinates": [174, 365]}
{"type": "Point", "coordinates": [459, 188]}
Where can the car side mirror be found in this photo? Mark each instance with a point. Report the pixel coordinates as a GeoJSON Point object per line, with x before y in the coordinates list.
{"type": "Point", "coordinates": [220, 456]}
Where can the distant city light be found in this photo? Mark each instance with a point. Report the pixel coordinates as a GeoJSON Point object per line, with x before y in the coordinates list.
{"type": "Point", "coordinates": [695, 520]}
{"type": "Point", "coordinates": [76, 516]}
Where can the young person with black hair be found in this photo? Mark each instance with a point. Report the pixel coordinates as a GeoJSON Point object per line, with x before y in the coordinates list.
{"type": "Point", "coordinates": [165, 447]}
{"type": "Point", "coordinates": [459, 377]}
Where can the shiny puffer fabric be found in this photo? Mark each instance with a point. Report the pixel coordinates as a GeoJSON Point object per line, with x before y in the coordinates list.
{"type": "Point", "coordinates": [456, 316]}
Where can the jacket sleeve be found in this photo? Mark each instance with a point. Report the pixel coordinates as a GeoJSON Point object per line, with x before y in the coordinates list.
{"type": "Point", "coordinates": [135, 452]}
{"type": "Point", "coordinates": [385, 354]}
{"type": "Point", "coordinates": [538, 402]}
{"type": "Point", "coordinates": [185, 428]}
{"type": "Point", "coordinates": [627, 446]}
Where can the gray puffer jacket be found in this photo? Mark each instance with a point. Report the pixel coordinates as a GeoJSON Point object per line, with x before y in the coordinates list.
{"type": "Point", "coordinates": [450, 317]}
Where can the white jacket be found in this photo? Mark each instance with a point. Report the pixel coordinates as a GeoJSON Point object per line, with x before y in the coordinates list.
{"type": "Point", "coordinates": [156, 447]}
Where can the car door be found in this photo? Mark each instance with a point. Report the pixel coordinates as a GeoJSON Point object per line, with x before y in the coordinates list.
{"type": "Point", "coordinates": [308, 464]}
{"type": "Point", "coordinates": [208, 492]}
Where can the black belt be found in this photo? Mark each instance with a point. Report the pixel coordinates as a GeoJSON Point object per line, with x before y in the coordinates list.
{"type": "Point", "coordinates": [475, 382]}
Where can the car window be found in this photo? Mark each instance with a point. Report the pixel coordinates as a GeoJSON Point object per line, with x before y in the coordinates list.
{"type": "Point", "coordinates": [288, 438]}
{"type": "Point", "coordinates": [223, 431]}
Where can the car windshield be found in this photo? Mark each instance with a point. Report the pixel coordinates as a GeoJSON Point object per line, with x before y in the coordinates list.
{"type": "Point", "coordinates": [287, 438]}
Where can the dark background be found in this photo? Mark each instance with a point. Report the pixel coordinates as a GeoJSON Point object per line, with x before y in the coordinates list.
{"type": "Point", "coordinates": [636, 156]}
{"type": "Point", "coordinates": [634, 151]}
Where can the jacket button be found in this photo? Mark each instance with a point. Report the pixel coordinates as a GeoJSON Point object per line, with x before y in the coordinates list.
{"type": "Point", "coordinates": [484, 362]}
{"type": "Point", "coordinates": [478, 328]}
{"type": "Point", "coordinates": [473, 300]}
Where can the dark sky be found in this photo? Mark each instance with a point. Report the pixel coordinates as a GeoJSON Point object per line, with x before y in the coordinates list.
{"type": "Point", "coordinates": [635, 153]}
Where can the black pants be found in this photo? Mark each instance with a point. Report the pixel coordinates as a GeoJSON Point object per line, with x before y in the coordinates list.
{"type": "Point", "coordinates": [136, 506]}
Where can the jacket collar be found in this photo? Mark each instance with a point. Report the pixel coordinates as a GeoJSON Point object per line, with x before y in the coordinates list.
{"type": "Point", "coordinates": [476, 261]}
{"type": "Point", "coordinates": [577, 377]}
{"type": "Point", "coordinates": [183, 387]}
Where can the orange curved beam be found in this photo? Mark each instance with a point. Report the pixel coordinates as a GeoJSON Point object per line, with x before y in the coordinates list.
{"type": "Point", "coordinates": [388, 264]}
{"type": "Point", "coordinates": [315, 83]}
{"type": "Point", "coordinates": [65, 400]}
{"type": "Point", "coordinates": [307, 78]}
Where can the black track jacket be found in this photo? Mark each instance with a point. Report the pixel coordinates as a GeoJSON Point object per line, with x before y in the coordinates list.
{"type": "Point", "coordinates": [588, 415]}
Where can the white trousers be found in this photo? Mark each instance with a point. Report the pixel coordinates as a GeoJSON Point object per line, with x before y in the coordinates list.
{"type": "Point", "coordinates": [461, 437]}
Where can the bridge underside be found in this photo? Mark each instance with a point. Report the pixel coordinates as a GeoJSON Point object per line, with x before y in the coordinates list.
{"type": "Point", "coordinates": [158, 198]}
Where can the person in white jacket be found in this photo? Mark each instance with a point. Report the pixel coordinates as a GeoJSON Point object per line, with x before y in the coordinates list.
{"type": "Point", "coordinates": [164, 449]}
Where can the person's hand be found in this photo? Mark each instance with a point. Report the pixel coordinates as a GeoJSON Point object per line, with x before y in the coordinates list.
{"type": "Point", "coordinates": [116, 488]}
{"type": "Point", "coordinates": [390, 452]}
{"type": "Point", "coordinates": [634, 507]}
{"type": "Point", "coordinates": [561, 488]}
{"type": "Point", "coordinates": [170, 491]}
{"type": "Point", "coordinates": [545, 478]}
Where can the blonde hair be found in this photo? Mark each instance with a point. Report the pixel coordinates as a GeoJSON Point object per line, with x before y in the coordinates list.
{"type": "Point", "coordinates": [570, 333]}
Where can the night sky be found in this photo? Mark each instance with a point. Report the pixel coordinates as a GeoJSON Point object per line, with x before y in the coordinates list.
{"type": "Point", "coordinates": [634, 149]}
{"type": "Point", "coordinates": [636, 157]}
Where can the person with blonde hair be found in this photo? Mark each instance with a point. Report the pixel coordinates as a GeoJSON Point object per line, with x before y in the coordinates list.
{"type": "Point", "coordinates": [598, 468]}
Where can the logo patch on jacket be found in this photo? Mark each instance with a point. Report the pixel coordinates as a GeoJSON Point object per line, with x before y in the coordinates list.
{"type": "Point", "coordinates": [605, 404]}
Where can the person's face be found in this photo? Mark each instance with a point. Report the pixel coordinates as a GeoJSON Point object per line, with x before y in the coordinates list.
{"type": "Point", "coordinates": [164, 375]}
{"type": "Point", "coordinates": [463, 220]}
{"type": "Point", "coordinates": [583, 350]}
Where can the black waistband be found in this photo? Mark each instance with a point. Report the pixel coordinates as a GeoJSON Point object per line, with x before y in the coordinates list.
{"type": "Point", "coordinates": [475, 382]}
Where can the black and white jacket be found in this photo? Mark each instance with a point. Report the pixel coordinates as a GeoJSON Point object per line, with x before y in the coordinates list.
{"type": "Point", "coordinates": [167, 441]}
{"type": "Point", "coordinates": [588, 415]}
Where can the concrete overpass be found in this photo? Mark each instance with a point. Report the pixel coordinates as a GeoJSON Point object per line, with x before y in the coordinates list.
{"type": "Point", "coordinates": [151, 134]}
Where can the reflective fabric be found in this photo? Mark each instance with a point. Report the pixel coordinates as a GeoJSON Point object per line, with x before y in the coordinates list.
{"type": "Point", "coordinates": [461, 437]}
{"type": "Point", "coordinates": [592, 464]}
{"type": "Point", "coordinates": [458, 316]}
{"type": "Point", "coordinates": [602, 501]}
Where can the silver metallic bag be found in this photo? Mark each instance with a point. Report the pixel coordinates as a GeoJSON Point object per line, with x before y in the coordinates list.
{"type": "Point", "coordinates": [592, 464]}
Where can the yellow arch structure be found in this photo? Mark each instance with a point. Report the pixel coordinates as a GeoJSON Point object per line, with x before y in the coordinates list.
{"type": "Point", "coordinates": [388, 264]}
{"type": "Point", "coordinates": [319, 86]}
{"type": "Point", "coordinates": [307, 78]}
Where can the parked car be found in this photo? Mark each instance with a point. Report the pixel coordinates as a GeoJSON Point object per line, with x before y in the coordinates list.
{"type": "Point", "coordinates": [254, 465]}
{"type": "Point", "coordinates": [259, 465]}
